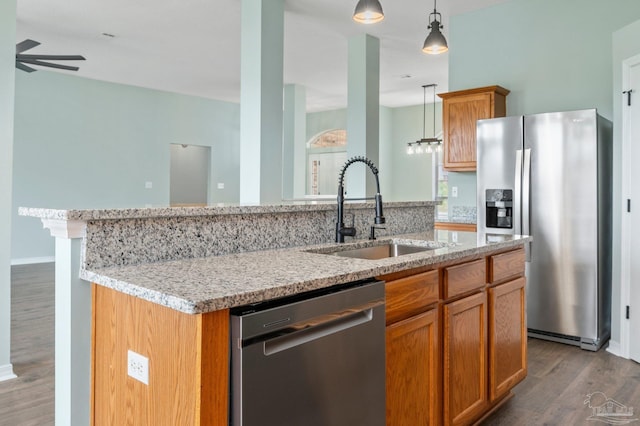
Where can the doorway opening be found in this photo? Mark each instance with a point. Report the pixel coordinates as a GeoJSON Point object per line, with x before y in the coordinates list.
{"type": "Point", "coordinates": [189, 175]}
{"type": "Point", "coordinates": [326, 153]}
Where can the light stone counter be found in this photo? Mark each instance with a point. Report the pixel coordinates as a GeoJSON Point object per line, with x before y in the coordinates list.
{"type": "Point", "coordinates": [202, 259]}
{"type": "Point", "coordinates": [212, 283]}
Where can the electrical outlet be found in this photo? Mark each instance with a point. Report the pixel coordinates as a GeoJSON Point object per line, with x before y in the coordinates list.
{"type": "Point", "coordinates": [148, 185]}
{"type": "Point", "coordinates": [454, 191]}
{"type": "Point", "coordinates": [220, 185]}
{"type": "Point", "coordinates": [454, 237]}
{"type": "Point", "coordinates": [138, 367]}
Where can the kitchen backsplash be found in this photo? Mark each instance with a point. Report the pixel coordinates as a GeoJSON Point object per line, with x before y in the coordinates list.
{"type": "Point", "coordinates": [134, 240]}
{"type": "Point", "coordinates": [463, 214]}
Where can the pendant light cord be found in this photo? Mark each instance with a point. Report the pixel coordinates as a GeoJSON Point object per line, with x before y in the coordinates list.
{"type": "Point", "coordinates": [434, 111]}
{"type": "Point", "coordinates": [424, 112]}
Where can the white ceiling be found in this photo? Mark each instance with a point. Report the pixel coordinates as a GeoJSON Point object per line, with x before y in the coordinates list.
{"type": "Point", "coordinates": [192, 46]}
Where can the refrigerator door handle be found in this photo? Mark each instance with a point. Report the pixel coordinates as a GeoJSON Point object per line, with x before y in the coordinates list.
{"type": "Point", "coordinates": [526, 200]}
{"type": "Point", "coordinates": [518, 193]}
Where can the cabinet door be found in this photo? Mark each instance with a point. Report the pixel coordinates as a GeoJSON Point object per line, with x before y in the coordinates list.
{"type": "Point", "coordinates": [507, 337]}
{"type": "Point", "coordinates": [412, 371]}
{"type": "Point", "coordinates": [465, 359]}
{"type": "Point", "coordinates": [460, 111]}
{"type": "Point", "coordinates": [460, 116]}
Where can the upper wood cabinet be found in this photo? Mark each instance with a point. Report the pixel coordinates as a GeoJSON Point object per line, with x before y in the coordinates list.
{"type": "Point", "coordinates": [460, 111]}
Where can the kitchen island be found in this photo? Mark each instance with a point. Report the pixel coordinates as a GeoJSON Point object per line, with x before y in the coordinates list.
{"type": "Point", "coordinates": [175, 312]}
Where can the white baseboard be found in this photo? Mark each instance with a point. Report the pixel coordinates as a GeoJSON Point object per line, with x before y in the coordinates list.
{"type": "Point", "coordinates": [32, 260]}
{"type": "Point", "coordinates": [614, 348]}
{"type": "Point", "coordinates": [6, 372]}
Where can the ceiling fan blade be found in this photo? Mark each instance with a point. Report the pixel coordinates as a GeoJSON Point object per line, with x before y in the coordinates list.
{"type": "Point", "coordinates": [26, 45]}
{"type": "Point", "coordinates": [49, 64]}
{"type": "Point", "coordinates": [21, 57]}
{"type": "Point", "coordinates": [23, 67]}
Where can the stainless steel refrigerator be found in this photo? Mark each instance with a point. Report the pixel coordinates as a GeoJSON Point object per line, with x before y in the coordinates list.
{"type": "Point", "coordinates": [549, 176]}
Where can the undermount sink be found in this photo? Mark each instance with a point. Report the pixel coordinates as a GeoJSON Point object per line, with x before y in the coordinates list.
{"type": "Point", "coordinates": [381, 251]}
{"type": "Point", "coordinates": [378, 251]}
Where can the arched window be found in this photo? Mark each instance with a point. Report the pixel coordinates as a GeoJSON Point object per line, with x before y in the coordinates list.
{"type": "Point", "coordinates": [330, 139]}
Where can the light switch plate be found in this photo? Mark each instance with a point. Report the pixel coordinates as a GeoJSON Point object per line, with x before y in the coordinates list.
{"type": "Point", "coordinates": [220, 185]}
{"type": "Point", "coordinates": [454, 191]}
{"type": "Point", "coordinates": [148, 185]}
{"type": "Point", "coordinates": [138, 367]}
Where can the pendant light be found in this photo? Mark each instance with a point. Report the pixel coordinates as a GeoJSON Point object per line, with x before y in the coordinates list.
{"type": "Point", "coordinates": [368, 12]}
{"type": "Point", "coordinates": [435, 43]}
{"type": "Point", "coordinates": [430, 144]}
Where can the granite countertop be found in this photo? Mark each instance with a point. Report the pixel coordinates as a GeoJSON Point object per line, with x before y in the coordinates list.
{"type": "Point", "coordinates": [460, 214]}
{"type": "Point", "coordinates": [210, 210]}
{"type": "Point", "coordinates": [212, 283]}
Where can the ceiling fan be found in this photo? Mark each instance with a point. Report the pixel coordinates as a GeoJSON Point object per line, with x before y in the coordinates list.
{"type": "Point", "coordinates": [37, 59]}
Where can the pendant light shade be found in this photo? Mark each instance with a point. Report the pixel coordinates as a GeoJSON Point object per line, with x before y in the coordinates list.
{"type": "Point", "coordinates": [435, 43]}
{"type": "Point", "coordinates": [368, 12]}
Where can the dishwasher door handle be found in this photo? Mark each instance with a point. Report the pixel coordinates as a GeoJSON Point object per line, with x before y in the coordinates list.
{"type": "Point", "coordinates": [318, 330]}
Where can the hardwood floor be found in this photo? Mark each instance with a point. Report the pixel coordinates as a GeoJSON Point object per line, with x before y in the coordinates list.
{"type": "Point", "coordinates": [28, 400]}
{"type": "Point", "coordinates": [559, 379]}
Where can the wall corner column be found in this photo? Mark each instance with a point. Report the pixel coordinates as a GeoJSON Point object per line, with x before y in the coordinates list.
{"type": "Point", "coordinates": [363, 111]}
{"type": "Point", "coordinates": [7, 88]}
{"type": "Point", "coordinates": [72, 326]}
{"type": "Point", "coordinates": [261, 86]}
{"type": "Point", "coordinates": [294, 141]}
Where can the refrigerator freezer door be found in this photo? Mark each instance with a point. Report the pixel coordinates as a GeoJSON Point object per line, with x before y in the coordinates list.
{"type": "Point", "coordinates": [563, 269]}
{"type": "Point", "coordinates": [499, 156]}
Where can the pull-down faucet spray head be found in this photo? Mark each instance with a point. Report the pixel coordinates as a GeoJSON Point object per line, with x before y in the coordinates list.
{"type": "Point", "coordinates": [341, 231]}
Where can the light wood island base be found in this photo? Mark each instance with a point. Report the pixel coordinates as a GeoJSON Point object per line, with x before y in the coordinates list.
{"type": "Point", "coordinates": [188, 363]}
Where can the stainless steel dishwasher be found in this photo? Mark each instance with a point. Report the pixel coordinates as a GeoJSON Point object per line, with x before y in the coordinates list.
{"type": "Point", "coordinates": [316, 359]}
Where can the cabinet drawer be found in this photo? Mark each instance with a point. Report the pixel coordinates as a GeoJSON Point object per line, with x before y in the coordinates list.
{"type": "Point", "coordinates": [463, 278]}
{"type": "Point", "coordinates": [409, 296]}
{"type": "Point", "coordinates": [505, 265]}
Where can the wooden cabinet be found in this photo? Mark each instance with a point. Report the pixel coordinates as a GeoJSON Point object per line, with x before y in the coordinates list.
{"type": "Point", "coordinates": [455, 226]}
{"type": "Point", "coordinates": [412, 349]}
{"type": "Point", "coordinates": [463, 278]}
{"type": "Point", "coordinates": [464, 366]}
{"type": "Point", "coordinates": [413, 361]}
{"type": "Point", "coordinates": [507, 323]}
{"type": "Point", "coordinates": [460, 111]}
{"type": "Point", "coordinates": [507, 337]}
{"type": "Point", "coordinates": [188, 363]}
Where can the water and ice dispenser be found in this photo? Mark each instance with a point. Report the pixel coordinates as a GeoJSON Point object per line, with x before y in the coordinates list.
{"type": "Point", "coordinates": [499, 208]}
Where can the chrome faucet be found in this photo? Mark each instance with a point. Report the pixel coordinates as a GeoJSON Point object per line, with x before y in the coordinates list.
{"type": "Point", "coordinates": [350, 231]}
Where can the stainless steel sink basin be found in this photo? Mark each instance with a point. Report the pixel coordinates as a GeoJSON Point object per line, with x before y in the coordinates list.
{"type": "Point", "coordinates": [381, 251]}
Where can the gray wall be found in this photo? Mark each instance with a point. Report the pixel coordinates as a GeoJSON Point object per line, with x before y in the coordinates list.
{"type": "Point", "coordinates": [83, 143]}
